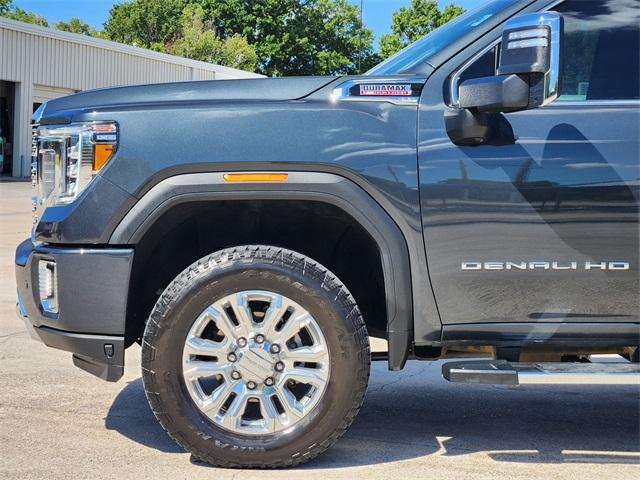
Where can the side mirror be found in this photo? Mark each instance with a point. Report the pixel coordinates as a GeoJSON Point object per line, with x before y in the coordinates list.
{"type": "Point", "coordinates": [529, 70]}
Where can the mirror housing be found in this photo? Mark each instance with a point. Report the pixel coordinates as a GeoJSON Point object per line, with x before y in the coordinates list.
{"type": "Point", "coordinates": [502, 93]}
{"type": "Point", "coordinates": [532, 46]}
{"type": "Point", "coordinates": [528, 76]}
{"type": "Point", "coordinates": [530, 57]}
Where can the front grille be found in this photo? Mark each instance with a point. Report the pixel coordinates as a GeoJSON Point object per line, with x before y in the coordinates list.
{"type": "Point", "coordinates": [34, 171]}
{"type": "Point", "coordinates": [48, 167]}
{"type": "Point", "coordinates": [46, 156]}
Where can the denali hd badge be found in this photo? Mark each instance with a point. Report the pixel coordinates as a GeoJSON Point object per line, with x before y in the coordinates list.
{"type": "Point", "coordinates": [382, 89]}
{"type": "Point", "coordinates": [544, 265]}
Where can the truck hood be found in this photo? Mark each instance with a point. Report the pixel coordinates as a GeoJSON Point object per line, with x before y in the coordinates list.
{"type": "Point", "coordinates": [257, 89]}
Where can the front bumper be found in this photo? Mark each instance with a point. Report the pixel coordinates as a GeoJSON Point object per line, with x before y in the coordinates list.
{"type": "Point", "coordinates": [92, 288]}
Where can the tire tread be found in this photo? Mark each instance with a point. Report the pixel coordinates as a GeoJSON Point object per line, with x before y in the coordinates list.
{"type": "Point", "coordinates": [248, 255]}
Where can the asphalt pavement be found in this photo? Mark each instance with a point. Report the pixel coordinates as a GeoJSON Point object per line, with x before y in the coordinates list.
{"type": "Point", "coordinates": [59, 422]}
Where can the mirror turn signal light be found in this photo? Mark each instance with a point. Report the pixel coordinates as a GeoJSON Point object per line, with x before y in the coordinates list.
{"type": "Point", "coordinates": [255, 177]}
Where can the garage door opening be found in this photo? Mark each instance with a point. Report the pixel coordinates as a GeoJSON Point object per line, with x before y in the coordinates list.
{"type": "Point", "coordinates": [7, 108]}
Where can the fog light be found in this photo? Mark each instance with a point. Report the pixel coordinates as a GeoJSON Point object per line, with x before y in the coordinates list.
{"type": "Point", "coordinates": [48, 286]}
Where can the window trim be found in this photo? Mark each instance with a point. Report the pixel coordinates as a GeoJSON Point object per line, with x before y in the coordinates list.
{"type": "Point", "coordinates": [632, 102]}
{"type": "Point", "coordinates": [455, 77]}
{"type": "Point", "coordinates": [454, 99]}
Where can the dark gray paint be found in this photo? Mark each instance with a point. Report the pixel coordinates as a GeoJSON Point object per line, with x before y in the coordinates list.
{"type": "Point", "coordinates": [88, 220]}
{"type": "Point", "coordinates": [549, 334]}
{"type": "Point", "coordinates": [88, 351]}
{"type": "Point", "coordinates": [567, 190]}
{"type": "Point", "coordinates": [185, 93]}
{"type": "Point", "coordinates": [317, 187]}
{"type": "Point", "coordinates": [511, 202]}
{"type": "Point", "coordinates": [100, 355]}
{"type": "Point", "coordinates": [371, 144]}
{"type": "Point", "coordinates": [93, 287]}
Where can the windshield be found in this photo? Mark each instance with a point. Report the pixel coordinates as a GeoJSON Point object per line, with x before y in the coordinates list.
{"type": "Point", "coordinates": [421, 50]}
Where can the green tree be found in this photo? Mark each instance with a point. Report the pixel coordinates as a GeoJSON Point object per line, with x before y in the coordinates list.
{"type": "Point", "coordinates": [239, 53]}
{"type": "Point", "coordinates": [5, 6]}
{"type": "Point", "coordinates": [296, 37]}
{"type": "Point", "coordinates": [199, 41]}
{"type": "Point", "coordinates": [341, 43]}
{"type": "Point", "coordinates": [290, 37]}
{"type": "Point", "coordinates": [75, 25]}
{"type": "Point", "coordinates": [8, 10]}
{"type": "Point", "coordinates": [411, 23]}
{"type": "Point", "coordinates": [145, 23]}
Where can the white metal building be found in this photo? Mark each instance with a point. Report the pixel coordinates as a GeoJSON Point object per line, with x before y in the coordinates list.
{"type": "Point", "coordinates": [38, 64]}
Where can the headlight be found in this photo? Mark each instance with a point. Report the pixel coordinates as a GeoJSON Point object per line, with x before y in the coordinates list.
{"type": "Point", "coordinates": [66, 158]}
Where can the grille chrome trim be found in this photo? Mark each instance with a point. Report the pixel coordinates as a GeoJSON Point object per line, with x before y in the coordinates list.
{"type": "Point", "coordinates": [34, 178]}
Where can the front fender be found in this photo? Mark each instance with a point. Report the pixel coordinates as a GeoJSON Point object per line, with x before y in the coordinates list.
{"type": "Point", "coordinates": [302, 186]}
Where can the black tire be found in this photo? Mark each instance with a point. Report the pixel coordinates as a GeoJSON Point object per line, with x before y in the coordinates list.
{"type": "Point", "coordinates": [266, 268]}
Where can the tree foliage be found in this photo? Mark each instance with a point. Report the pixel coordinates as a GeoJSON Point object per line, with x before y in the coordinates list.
{"type": "Point", "coordinates": [5, 6]}
{"type": "Point", "coordinates": [290, 37]}
{"type": "Point", "coordinates": [273, 37]}
{"type": "Point", "coordinates": [341, 42]}
{"type": "Point", "coordinates": [198, 40]}
{"type": "Point", "coordinates": [413, 22]}
{"type": "Point", "coordinates": [75, 25]}
{"type": "Point", "coordinates": [145, 23]}
{"type": "Point", "coordinates": [8, 10]}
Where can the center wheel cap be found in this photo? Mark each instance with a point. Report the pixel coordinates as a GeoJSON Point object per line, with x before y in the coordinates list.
{"type": "Point", "coordinates": [255, 364]}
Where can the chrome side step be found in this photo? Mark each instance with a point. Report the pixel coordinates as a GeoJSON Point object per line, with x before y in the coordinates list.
{"type": "Point", "coordinates": [501, 372]}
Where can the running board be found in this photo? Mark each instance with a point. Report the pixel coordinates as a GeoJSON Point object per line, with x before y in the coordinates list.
{"type": "Point", "coordinates": [501, 372]}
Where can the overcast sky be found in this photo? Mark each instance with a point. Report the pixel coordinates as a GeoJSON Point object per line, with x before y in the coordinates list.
{"type": "Point", "coordinates": [377, 13]}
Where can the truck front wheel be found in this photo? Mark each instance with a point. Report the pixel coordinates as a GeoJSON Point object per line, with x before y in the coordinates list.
{"type": "Point", "coordinates": [255, 357]}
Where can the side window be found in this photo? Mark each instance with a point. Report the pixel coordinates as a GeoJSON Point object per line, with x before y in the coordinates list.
{"type": "Point", "coordinates": [602, 41]}
{"type": "Point", "coordinates": [485, 66]}
{"type": "Point", "coordinates": [601, 51]}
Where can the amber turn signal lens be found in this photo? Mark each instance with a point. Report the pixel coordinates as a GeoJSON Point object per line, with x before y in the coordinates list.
{"type": "Point", "coordinates": [107, 127]}
{"type": "Point", "coordinates": [101, 155]}
{"type": "Point", "coordinates": [255, 177]}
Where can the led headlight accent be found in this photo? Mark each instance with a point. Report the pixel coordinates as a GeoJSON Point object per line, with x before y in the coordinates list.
{"type": "Point", "coordinates": [66, 158]}
{"type": "Point", "coordinates": [48, 286]}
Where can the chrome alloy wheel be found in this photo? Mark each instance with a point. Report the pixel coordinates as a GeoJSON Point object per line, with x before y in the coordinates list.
{"type": "Point", "coordinates": [255, 362]}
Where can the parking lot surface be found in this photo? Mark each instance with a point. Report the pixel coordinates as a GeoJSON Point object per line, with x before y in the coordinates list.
{"type": "Point", "coordinates": [59, 422]}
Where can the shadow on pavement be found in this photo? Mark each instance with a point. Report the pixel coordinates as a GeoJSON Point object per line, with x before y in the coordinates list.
{"type": "Point", "coordinates": [131, 416]}
{"type": "Point", "coordinates": [414, 413]}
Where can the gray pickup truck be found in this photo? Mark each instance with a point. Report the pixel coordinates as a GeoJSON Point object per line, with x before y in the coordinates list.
{"type": "Point", "coordinates": [476, 195]}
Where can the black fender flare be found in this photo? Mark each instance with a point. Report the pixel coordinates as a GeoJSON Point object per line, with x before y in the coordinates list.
{"type": "Point", "coordinates": [300, 186]}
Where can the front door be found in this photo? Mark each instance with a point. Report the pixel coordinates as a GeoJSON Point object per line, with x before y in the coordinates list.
{"type": "Point", "coordinates": [544, 229]}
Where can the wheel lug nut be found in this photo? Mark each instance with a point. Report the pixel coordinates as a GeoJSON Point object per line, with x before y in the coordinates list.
{"type": "Point", "coordinates": [232, 357]}
{"type": "Point", "coordinates": [259, 338]}
{"type": "Point", "coordinates": [236, 375]}
{"type": "Point", "coordinates": [269, 381]}
{"type": "Point", "coordinates": [275, 348]}
{"type": "Point", "coordinates": [251, 385]}
{"type": "Point", "coordinates": [279, 367]}
{"type": "Point", "coordinates": [242, 342]}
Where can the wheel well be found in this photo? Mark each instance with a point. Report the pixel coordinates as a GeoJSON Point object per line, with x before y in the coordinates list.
{"type": "Point", "coordinates": [323, 232]}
